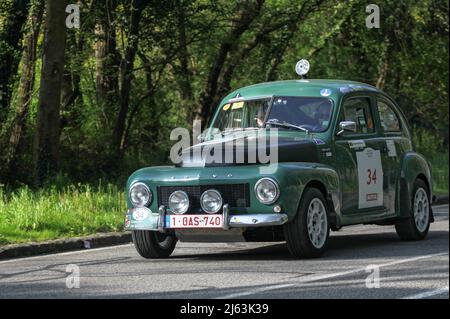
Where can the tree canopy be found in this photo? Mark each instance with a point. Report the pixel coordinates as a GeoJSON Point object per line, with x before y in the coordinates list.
{"type": "Point", "coordinates": [136, 69]}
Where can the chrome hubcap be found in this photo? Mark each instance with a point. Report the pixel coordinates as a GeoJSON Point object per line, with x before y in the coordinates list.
{"type": "Point", "coordinates": [421, 210]}
{"type": "Point", "coordinates": [317, 223]}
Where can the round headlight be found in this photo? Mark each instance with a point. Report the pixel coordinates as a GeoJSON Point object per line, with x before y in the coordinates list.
{"type": "Point", "coordinates": [140, 195]}
{"type": "Point", "coordinates": [179, 202]}
{"type": "Point", "coordinates": [267, 190]}
{"type": "Point", "coordinates": [211, 201]}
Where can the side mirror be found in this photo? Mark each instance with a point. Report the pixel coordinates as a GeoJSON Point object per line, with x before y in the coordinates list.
{"type": "Point", "coordinates": [346, 126]}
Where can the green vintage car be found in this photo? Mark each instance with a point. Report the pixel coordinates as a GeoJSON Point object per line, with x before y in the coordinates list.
{"type": "Point", "coordinates": [345, 157]}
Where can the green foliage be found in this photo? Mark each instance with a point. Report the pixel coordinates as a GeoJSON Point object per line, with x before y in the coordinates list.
{"type": "Point", "coordinates": [51, 213]}
{"type": "Point", "coordinates": [426, 143]}
{"type": "Point", "coordinates": [437, 154]}
{"type": "Point", "coordinates": [407, 57]}
{"type": "Point", "coordinates": [3, 240]}
{"type": "Point", "coordinates": [439, 166]}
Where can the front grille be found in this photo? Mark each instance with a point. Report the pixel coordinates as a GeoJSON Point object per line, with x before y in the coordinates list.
{"type": "Point", "coordinates": [236, 195]}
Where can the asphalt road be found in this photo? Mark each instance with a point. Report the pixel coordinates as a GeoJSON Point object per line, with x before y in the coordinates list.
{"type": "Point", "coordinates": [246, 270]}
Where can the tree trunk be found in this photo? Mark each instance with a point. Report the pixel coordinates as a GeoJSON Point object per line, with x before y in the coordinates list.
{"type": "Point", "coordinates": [127, 74]}
{"type": "Point", "coordinates": [150, 88]}
{"type": "Point", "coordinates": [26, 85]}
{"type": "Point", "coordinates": [70, 86]}
{"type": "Point", "coordinates": [106, 56]}
{"type": "Point", "coordinates": [184, 74]}
{"type": "Point", "coordinates": [384, 66]}
{"type": "Point", "coordinates": [46, 146]}
{"type": "Point", "coordinates": [10, 43]}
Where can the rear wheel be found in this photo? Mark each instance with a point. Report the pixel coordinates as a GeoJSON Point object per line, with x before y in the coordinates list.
{"type": "Point", "coordinates": [307, 235]}
{"type": "Point", "coordinates": [153, 244]}
{"type": "Point", "coordinates": [416, 226]}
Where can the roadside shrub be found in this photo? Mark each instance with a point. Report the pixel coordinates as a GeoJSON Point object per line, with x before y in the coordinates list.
{"type": "Point", "coordinates": [426, 143]}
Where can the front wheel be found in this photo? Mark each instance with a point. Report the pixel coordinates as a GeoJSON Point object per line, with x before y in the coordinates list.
{"type": "Point", "coordinates": [153, 244]}
{"type": "Point", "coordinates": [416, 226]}
{"type": "Point", "coordinates": [307, 235]}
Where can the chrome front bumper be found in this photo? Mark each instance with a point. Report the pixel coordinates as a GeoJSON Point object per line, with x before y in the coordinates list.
{"type": "Point", "coordinates": [257, 220]}
{"type": "Point", "coordinates": [236, 221]}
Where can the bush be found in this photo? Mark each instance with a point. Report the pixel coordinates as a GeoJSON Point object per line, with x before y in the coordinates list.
{"type": "Point", "coordinates": [426, 143]}
{"type": "Point", "coordinates": [432, 147]}
{"type": "Point", "coordinates": [3, 240]}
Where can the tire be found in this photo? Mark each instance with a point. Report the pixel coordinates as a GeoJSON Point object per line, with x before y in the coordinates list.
{"type": "Point", "coordinates": [410, 228]}
{"type": "Point", "coordinates": [296, 233]}
{"type": "Point", "coordinates": [153, 244]}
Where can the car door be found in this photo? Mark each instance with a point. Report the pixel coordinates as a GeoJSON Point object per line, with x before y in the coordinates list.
{"type": "Point", "coordinates": [359, 157]}
{"type": "Point", "coordinates": [396, 140]}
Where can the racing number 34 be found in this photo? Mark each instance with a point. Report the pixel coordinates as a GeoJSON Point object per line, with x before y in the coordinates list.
{"type": "Point", "coordinates": [371, 177]}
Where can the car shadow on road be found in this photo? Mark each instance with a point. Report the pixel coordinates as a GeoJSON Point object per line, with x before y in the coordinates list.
{"type": "Point", "coordinates": [378, 245]}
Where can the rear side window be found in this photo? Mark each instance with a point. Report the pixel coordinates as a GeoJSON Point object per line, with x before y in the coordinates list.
{"type": "Point", "coordinates": [358, 111]}
{"type": "Point", "coordinates": [389, 120]}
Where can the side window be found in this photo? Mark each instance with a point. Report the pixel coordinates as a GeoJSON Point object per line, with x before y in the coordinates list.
{"type": "Point", "coordinates": [358, 111]}
{"type": "Point", "coordinates": [388, 118]}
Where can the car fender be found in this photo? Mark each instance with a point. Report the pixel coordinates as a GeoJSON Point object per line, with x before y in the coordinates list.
{"type": "Point", "coordinates": [413, 165]}
{"type": "Point", "coordinates": [302, 175]}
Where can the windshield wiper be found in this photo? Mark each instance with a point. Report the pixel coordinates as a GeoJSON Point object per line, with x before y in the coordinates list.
{"type": "Point", "coordinates": [286, 124]}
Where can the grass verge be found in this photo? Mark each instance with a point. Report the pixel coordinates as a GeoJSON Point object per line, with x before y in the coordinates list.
{"type": "Point", "coordinates": [76, 210]}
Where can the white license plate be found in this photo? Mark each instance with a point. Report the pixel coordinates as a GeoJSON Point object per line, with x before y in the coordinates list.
{"type": "Point", "coordinates": [194, 221]}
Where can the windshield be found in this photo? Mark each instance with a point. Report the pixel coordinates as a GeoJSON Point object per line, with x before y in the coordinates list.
{"type": "Point", "coordinates": [308, 113]}
{"type": "Point", "coordinates": [312, 114]}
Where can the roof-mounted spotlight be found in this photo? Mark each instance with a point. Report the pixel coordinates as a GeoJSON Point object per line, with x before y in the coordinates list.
{"type": "Point", "coordinates": [302, 67]}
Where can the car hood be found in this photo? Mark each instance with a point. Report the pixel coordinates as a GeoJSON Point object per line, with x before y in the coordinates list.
{"type": "Point", "coordinates": [250, 148]}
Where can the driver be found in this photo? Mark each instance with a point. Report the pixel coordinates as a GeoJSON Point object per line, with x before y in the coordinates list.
{"type": "Point", "coordinates": [260, 117]}
{"type": "Point", "coordinates": [322, 115]}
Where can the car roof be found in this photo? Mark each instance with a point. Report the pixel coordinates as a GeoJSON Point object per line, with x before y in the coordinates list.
{"type": "Point", "coordinates": [301, 87]}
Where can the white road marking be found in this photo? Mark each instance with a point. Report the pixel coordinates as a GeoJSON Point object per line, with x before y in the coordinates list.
{"type": "Point", "coordinates": [254, 291]}
{"type": "Point", "coordinates": [66, 253]}
{"type": "Point", "coordinates": [327, 276]}
{"type": "Point", "coordinates": [427, 294]}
